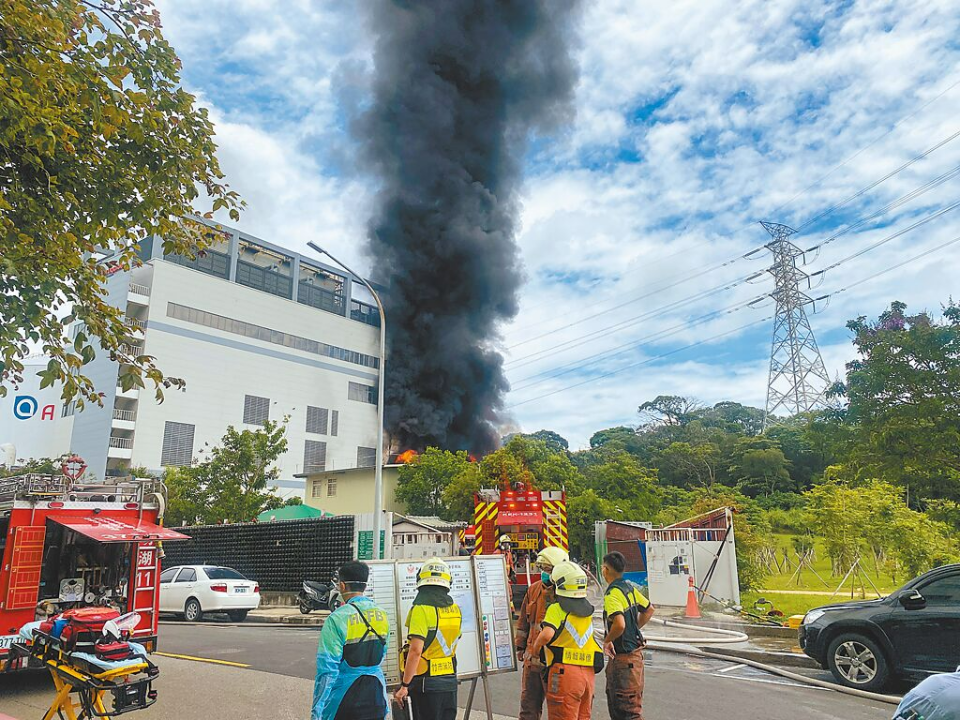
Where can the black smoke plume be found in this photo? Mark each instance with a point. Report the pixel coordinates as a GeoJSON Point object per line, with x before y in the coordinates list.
{"type": "Point", "coordinates": [459, 88]}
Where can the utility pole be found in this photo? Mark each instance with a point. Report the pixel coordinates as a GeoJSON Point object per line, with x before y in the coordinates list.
{"type": "Point", "coordinates": [798, 379]}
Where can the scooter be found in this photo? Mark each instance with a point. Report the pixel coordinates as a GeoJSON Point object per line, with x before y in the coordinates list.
{"type": "Point", "coordinates": [317, 596]}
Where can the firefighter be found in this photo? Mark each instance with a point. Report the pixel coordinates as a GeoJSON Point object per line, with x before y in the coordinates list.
{"type": "Point", "coordinates": [534, 607]}
{"type": "Point", "coordinates": [433, 630]}
{"type": "Point", "coordinates": [625, 611]}
{"type": "Point", "coordinates": [350, 683]}
{"type": "Point", "coordinates": [569, 650]}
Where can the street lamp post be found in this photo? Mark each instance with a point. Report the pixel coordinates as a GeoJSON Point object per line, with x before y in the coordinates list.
{"type": "Point", "coordinates": [378, 472]}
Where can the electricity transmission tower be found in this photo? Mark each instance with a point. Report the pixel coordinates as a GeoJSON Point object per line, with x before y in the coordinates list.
{"type": "Point", "coordinates": [798, 379]}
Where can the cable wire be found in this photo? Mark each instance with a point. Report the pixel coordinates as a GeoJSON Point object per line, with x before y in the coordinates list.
{"type": "Point", "coordinates": [611, 373]}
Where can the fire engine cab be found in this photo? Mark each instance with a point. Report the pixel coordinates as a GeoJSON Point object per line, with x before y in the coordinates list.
{"type": "Point", "coordinates": [531, 519]}
{"type": "Point", "coordinates": [67, 544]}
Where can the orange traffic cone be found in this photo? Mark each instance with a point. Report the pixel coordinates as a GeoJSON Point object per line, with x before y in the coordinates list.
{"type": "Point", "coordinates": [693, 609]}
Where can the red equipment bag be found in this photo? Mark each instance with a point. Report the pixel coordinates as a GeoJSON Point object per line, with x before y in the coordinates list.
{"type": "Point", "coordinates": [84, 626]}
{"type": "Point", "coordinates": [110, 650]}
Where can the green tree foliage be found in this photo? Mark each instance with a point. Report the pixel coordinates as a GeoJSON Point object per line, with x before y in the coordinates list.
{"type": "Point", "coordinates": [871, 521]}
{"type": "Point", "coordinates": [232, 484]}
{"type": "Point", "coordinates": [759, 467]}
{"type": "Point", "coordinates": [458, 498]}
{"type": "Point", "coordinates": [687, 465]}
{"type": "Point", "coordinates": [293, 501]}
{"type": "Point", "coordinates": [102, 149]}
{"type": "Point", "coordinates": [39, 466]}
{"type": "Point", "coordinates": [421, 483]}
{"type": "Point", "coordinates": [903, 394]}
{"type": "Point", "coordinates": [670, 410]}
{"type": "Point", "coordinates": [583, 511]}
{"type": "Point", "coordinates": [554, 441]}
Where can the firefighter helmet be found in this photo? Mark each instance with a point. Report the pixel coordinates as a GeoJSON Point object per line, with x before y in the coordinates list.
{"type": "Point", "coordinates": [570, 580]}
{"type": "Point", "coordinates": [504, 540]}
{"type": "Point", "coordinates": [552, 556]}
{"type": "Point", "coordinates": [434, 572]}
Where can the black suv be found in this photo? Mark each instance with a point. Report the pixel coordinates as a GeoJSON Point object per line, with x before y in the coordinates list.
{"type": "Point", "coordinates": [911, 633]}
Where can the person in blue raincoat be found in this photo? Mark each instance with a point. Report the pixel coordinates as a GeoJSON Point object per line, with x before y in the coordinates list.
{"type": "Point", "coordinates": [350, 683]}
{"type": "Point", "coordinates": [936, 698]}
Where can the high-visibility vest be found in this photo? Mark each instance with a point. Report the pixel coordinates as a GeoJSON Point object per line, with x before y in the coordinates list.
{"type": "Point", "coordinates": [574, 644]}
{"type": "Point", "coordinates": [440, 646]}
{"type": "Point", "coordinates": [635, 604]}
{"type": "Point", "coordinates": [366, 637]}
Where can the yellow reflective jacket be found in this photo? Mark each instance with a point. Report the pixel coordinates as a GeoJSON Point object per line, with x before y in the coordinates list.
{"type": "Point", "coordinates": [574, 642]}
{"type": "Point", "coordinates": [439, 628]}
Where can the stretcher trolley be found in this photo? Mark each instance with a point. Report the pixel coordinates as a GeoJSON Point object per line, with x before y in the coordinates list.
{"type": "Point", "coordinates": [100, 676]}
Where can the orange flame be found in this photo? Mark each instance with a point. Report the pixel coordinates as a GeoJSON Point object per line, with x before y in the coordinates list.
{"type": "Point", "coordinates": [407, 456]}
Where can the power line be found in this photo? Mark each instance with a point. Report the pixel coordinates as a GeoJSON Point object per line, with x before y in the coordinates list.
{"type": "Point", "coordinates": [701, 273]}
{"type": "Point", "coordinates": [888, 238]}
{"type": "Point", "coordinates": [632, 345]}
{"type": "Point", "coordinates": [874, 184]}
{"type": "Point", "coordinates": [899, 202]}
{"type": "Point", "coordinates": [789, 202]}
{"type": "Point", "coordinates": [579, 340]}
{"type": "Point", "coordinates": [530, 358]}
{"type": "Point", "coordinates": [875, 275]}
{"type": "Point", "coordinates": [638, 364]}
{"type": "Point", "coordinates": [864, 148]}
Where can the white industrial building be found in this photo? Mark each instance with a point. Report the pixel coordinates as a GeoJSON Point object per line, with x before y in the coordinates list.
{"type": "Point", "coordinates": [257, 332]}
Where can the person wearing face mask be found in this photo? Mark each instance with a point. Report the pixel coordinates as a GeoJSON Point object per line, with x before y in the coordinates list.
{"type": "Point", "coordinates": [539, 596]}
{"type": "Point", "coordinates": [349, 683]}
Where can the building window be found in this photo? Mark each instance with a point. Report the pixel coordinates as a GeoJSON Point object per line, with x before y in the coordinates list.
{"type": "Point", "coordinates": [334, 422]}
{"type": "Point", "coordinates": [320, 289]}
{"type": "Point", "coordinates": [362, 393]}
{"type": "Point", "coordinates": [314, 456]}
{"type": "Point", "coordinates": [331, 487]}
{"type": "Point", "coordinates": [68, 409]}
{"type": "Point", "coordinates": [316, 489]}
{"type": "Point", "coordinates": [213, 260]}
{"type": "Point", "coordinates": [177, 446]}
{"type": "Point", "coordinates": [317, 420]}
{"type": "Point", "coordinates": [263, 269]}
{"type": "Point", "coordinates": [256, 410]}
{"type": "Point", "coordinates": [366, 457]}
{"type": "Point", "coordinates": [264, 334]}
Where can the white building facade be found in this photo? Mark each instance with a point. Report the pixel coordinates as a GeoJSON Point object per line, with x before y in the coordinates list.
{"type": "Point", "coordinates": [256, 331]}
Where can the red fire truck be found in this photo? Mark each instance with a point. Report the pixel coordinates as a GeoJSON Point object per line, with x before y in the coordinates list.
{"type": "Point", "coordinates": [532, 519]}
{"type": "Point", "coordinates": [67, 544]}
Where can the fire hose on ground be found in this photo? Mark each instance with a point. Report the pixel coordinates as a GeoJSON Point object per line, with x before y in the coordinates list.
{"type": "Point", "coordinates": [685, 646]}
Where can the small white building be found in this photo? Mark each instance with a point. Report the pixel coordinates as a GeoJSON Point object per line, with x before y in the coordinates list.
{"type": "Point", "coordinates": [257, 332]}
{"type": "Point", "coordinates": [417, 538]}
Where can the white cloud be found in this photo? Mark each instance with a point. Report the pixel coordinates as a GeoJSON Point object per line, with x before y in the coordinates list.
{"type": "Point", "coordinates": [733, 111]}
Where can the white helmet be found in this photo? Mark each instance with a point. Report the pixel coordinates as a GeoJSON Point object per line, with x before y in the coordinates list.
{"type": "Point", "coordinates": [434, 572]}
{"type": "Point", "coordinates": [552, 556]}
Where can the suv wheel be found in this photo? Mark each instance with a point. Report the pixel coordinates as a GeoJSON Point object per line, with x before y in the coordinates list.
{"type": "Point", "coordinates": [857, 661]}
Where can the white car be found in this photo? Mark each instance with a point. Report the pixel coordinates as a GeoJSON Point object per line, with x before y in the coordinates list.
{"type": "Point", "coordinates": [192, 590]}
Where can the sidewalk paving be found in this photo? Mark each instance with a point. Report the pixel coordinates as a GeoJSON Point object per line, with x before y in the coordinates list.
{"type": "Point", "coordinates": [189, 691]}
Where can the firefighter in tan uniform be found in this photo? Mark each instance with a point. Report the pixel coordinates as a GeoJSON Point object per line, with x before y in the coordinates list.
{"type": "Point", "coordinates": [625, 611]}
{"type": "Point", "coordinates": [569, 650]}
{"type": "Point", "coordinates": [433, 631]}
{"type": "Point", "coordinates": [534, 607]}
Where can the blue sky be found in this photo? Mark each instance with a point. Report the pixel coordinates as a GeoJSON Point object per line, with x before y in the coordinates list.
{"type": "Point", "coordinates": [694, 120]}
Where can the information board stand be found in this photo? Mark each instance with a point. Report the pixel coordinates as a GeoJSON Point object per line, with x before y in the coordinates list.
{"type": "Point", "coordinates": [481, 589]}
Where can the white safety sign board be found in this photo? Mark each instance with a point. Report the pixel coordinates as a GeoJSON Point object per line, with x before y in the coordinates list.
{"type": "Point", "coordinates": [480, 589]}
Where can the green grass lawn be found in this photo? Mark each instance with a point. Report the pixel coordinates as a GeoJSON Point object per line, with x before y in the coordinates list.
{"type": "Point", "coordinates": [794, 594]}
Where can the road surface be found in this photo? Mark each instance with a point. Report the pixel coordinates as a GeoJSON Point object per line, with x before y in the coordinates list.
{"type": "Point", "coordinates": [267, 671]}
